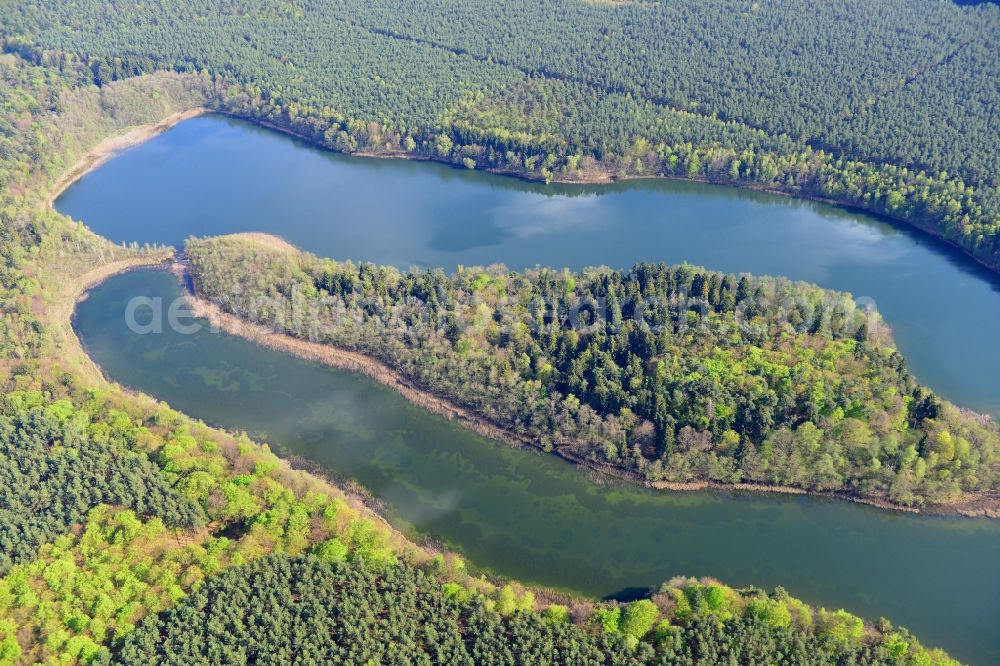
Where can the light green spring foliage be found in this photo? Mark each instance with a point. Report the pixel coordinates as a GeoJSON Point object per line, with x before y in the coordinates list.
{"type": "Point", "coordinates": [82, 591]}
{"type": "Point", "coordinates": [508, 600]}
{"type": "Point", "coordinates": [85, 590]}
{"type": "Point", "coordinates": [556, 614]}
{"type": "Point", "coordinates": [56, 452]}
{"type": "Point", "coordinates": [638, 618]}
{"type": "Point", "coordinates": [608, 619]}
{"type": "Point", "coordinates": [771, 611]}
{"type": "Point", "coordinates": [841, 626]}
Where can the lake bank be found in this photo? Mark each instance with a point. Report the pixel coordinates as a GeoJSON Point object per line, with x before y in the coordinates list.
{"type": "Point", "coordinates": [978, 506]}
{"type": "Point", "coordinates": [603, 176]}
{"type": "Point", "coordinates": [109, 147]}
{"type": "Point", "coordinates": [61, 316]}
{"type": "Point", "coordinates": [408, 213]}
{"type": "Point", "coordinates": [113, 145]}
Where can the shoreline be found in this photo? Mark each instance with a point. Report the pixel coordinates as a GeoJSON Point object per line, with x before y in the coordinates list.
{"type": "Point", "coordinates": [352, 361]}
{"type": "Point", "coordinates": [63, 309]}
{"type": "Point", "coordinates": [113, 145]}
{"type": "Point", "coordinates": [368, 505]}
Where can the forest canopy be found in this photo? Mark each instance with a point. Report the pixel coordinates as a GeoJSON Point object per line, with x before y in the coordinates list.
{"type": "Point", "coordinates": [56, 465]}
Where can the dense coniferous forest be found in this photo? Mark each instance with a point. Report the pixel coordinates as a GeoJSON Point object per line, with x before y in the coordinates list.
{"type": "Point", "coordinates": [888, 105]}
{"type": "Point", "coordinates": [670, 372]}
{"type": "Point", "coordinates": [55, 466]}
{"type": "Point", "coordinates": [306, 611]}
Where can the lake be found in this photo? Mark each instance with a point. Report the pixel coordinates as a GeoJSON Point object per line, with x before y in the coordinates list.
{"type": "Point", "coordinates": [520, 513]}
{"type": "Point", "coordinates": [215, 175]}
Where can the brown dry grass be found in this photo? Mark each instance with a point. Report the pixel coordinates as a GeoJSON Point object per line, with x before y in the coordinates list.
{"type": "Point", "coordinates": [267, 240]}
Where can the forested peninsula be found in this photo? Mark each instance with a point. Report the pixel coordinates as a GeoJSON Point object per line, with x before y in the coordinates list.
{"type": "Point", "coordinates": [850, 101]}
{"type": "Point", "coordinates": [667, 374]}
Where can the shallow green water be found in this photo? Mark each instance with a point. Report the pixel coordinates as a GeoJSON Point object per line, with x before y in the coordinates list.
{"type": "Point", "coordinates": [523, 514]}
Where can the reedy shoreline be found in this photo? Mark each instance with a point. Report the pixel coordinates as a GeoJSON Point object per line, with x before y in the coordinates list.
{"type": "Point", "coordinates": [111, 146]}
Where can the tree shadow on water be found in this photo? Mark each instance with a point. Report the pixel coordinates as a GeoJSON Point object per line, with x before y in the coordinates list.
{"type": "Point", "coordinates": [627, 594]}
